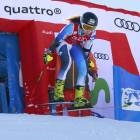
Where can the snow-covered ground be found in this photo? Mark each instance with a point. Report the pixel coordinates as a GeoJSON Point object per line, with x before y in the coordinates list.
{"type": "Point", "coordinates": [47, 127]}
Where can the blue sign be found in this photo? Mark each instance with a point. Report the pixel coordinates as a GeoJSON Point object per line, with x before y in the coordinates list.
{"type": "Point", "coordinates": [10, 69]}
{"type": "Point", "coordinates": [126, 89]}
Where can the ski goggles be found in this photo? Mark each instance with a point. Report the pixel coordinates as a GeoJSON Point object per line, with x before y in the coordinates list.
{"type": "Point", "coordinates": [87, 27]}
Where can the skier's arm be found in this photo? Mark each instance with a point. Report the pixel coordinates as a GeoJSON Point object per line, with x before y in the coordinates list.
{"type": "Point", "coordinates": [65, 32]}
{"type": "Point", "coordinates": [93, 71]}
{"type": "Point", "coordinates": [87, 48]}
{"type": "Point", "coordinates": [88, 44]}
{"type": "Point", "coordinates": [91, 60]}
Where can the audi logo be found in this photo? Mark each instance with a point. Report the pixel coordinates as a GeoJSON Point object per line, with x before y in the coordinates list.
{"type": "Point", "coordinates": [122, 23]}
{"type": "Point", "coordinates": [101, 56]}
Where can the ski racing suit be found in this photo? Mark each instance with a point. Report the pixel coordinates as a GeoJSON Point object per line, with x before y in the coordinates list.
{"type": "Point", "coordinates": [68, 43]}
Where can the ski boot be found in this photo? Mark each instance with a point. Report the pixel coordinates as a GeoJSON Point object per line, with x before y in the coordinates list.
{"type": "Point", "coordinates": [58, 91]}
{"type": "Point", "coordinates": [79, 98]}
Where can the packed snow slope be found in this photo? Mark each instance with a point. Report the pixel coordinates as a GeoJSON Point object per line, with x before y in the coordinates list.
{"type": "Point", "coordinates": [47, 127]}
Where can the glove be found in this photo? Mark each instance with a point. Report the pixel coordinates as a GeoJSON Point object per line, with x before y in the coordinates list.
{"type": "Point", "coordinates": [95, 77]}
{"type": "Point", "coordinates": [90, 63]}
{"type": "Point", "coordinates": [47, 57]}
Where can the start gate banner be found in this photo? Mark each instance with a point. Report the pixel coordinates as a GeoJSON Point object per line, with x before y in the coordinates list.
{"type": "Point", "coordinates": [127, 90]}
{"type": "Point", "coordinates": [117, 41]}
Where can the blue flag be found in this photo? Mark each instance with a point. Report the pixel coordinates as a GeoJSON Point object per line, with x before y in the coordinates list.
{"type": "Point", "coordinates": [126, 89]}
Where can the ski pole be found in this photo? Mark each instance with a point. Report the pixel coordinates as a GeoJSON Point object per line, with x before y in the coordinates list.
{"type": "Point", "coordinates": [34, 88]}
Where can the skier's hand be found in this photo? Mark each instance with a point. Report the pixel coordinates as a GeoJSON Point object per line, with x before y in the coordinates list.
{"type": "Point", "coordinates": [95, 77]}
{"type": "Point", "coordinates": [90, 63]}
{"type": "Point", "coordinates": [47, 57]}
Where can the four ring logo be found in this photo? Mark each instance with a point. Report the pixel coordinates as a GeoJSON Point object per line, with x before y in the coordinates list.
{"type": "Point", "coordinates": [122, 23]}
{"type": "Point", "coordinates": [101, 56]}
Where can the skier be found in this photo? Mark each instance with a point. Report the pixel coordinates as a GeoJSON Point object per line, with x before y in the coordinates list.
{"type": "Point", "coordinates": [68, 43]}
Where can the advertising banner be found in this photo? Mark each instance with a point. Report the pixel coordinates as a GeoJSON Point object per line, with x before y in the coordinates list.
{"type": "Point", "coordinates": [116, 43]}
{"type": "Point", "coordinates": [127, 90]}
{"type": "Point", "coordinates": [102, 94]}
{"type": "Point", "coordinates": [110, 43]}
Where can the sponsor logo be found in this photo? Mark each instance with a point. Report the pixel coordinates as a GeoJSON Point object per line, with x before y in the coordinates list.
{"type": "Point", "coordinates": [101, 56]}
{"type": "Point", "coordinates": [31, 10]}
{"type": "Point", "coordinates": [45, 49]}
{"type": "Point", "coordinates": [51, 68]}
{"type": "Point", "coordinates": [47, 32]}
{"type": "Point", "coordinates": [122, 23]}
{"type": "Point", "coordinates": [79, 38]}
{"type": "Point", "coordinates": [133, 96]}
{"type": "Point", "coordinates": [91, 21]}
{"type": "Point", "coordinates": [100, 87]}
{"type": "Point", "coordinates": [66, 35]}
{"type": "Point", "coordinates": [51, 86]}
{"type": "Point", "coordinates": [75, 32]}
{"type": "Point", "coordinates": [60, 53]}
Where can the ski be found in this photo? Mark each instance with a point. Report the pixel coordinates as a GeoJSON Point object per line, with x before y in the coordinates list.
{"type": "Point", "coordinates": [57, 103]}
{"type": "Point", "coordinates": [126, 105]}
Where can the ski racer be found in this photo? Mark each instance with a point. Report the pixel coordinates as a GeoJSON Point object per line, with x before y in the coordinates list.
{"type": "Point", "coordinates": [68, 43]}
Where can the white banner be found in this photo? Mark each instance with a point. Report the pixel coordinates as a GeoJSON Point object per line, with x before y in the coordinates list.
{"type": "Point", "coordinates": [56, 12]}
{"type": "Point", "coordinates": [101, 51]}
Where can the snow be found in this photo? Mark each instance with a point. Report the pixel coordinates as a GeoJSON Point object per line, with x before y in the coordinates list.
{"type": "Point", "coordinates": [47, 127]}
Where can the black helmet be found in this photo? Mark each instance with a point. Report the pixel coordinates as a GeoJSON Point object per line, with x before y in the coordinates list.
{"type": "Point", "coordinates": [89, 18]}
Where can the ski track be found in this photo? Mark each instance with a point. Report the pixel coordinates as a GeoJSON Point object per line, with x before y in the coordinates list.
{"type": "Point", "coordinates": [47, 127]}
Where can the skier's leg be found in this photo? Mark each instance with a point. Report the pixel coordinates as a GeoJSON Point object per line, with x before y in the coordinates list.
{"type": "Point", "coordinates": [63, 52]}
{"type": "Point", "coordinates": [80, 59]}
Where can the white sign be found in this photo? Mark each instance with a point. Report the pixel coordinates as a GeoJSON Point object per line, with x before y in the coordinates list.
{"type": "Point", "coordinates": [133, 96]}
